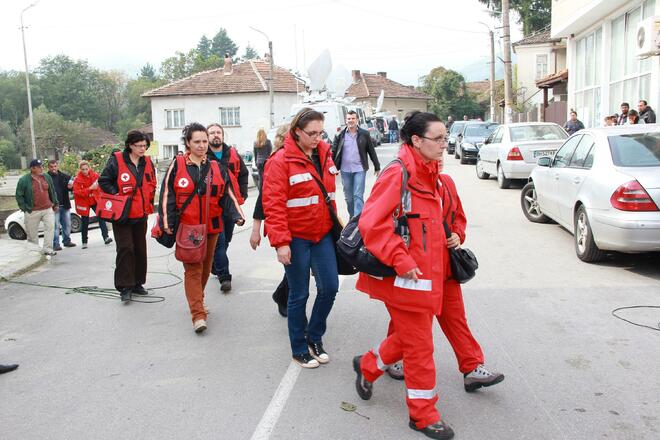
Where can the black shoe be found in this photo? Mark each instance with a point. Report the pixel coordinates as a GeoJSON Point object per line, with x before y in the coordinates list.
{"type": "Point", "coordinates": [139, 290]}
{"type": "Point", "coordinates": [125, 295]}
{"type": "Point", "coordinates": [7, 368]}
{"type": "Point", "coordinates": [438, 430]}
{"type": "Point", "coordinates": [363, 386]}
{"type": "Point", "coordinates": [107, 240]}
{"type": "Point", "coordinates": [283, 310]}
{"type": "Point", "coordinates": [225, 285]}
{"type": "Point", "coordinates": [70, 244]}
{"type": "Point", "coordinates": [318, 353]}
{"type": "Point", "coordinates": [57, 248]}
{"type": "Point", "coordinates": [305, 360]}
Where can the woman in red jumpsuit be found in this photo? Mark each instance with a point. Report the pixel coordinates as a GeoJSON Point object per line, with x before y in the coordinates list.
{"type": "Point", "coordinates": [414, 297]}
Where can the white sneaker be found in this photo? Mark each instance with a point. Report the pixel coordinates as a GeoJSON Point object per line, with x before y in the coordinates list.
{"type": "Point", "coordinates": [199, 325]}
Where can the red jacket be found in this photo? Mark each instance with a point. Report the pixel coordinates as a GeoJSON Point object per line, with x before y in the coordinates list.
{"type": "Point", "coordinates": [142, 203]}
{"type": "Point", "coordinates": [293, 202]}
{"type": "Point", "coordinates": [452, 208]}
{"type": "Point", "coordinates": [84, 197]}
{"type": "Point", "coordinates": [428, 245]}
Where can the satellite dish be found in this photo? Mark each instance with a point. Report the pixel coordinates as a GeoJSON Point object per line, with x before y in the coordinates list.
{"type": "Point", "coordinates": [379, 102]}
{"type": "Point", "coordinates": [339, 81]}
{"type": "Point", "coordinates": [319, 71]}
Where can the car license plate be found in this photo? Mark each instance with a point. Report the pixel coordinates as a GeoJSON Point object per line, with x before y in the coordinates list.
{"type": "Point", "coordinates": [543, 153]}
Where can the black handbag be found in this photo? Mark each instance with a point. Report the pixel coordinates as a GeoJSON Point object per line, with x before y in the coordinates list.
{"type": "Point", "coordinates": [462, 261]}
{"type": "Point", "coordinates": [351, 245]}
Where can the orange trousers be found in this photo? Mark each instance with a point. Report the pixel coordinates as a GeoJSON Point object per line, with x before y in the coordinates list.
{"type": "Point", "coordinates": [195, 276]}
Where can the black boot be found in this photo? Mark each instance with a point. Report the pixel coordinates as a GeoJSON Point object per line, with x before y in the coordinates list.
{"type": "Point", "coordinates": [125, 295]}
{"type": "Point", "coordinates": [438, 430]}
{"type": "Point", "coordinates": [7, 368]}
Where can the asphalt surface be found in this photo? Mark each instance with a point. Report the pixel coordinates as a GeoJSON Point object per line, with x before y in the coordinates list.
{"type": "Point", "coordinates": [94, 368]}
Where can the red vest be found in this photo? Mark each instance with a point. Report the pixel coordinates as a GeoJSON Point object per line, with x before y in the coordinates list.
{"type": "Point", "coordinates": [142, 203]}
{"type": "Point", "coordinates": [234, 165]}
{"type": "Point", "coordinates": [195, 212]}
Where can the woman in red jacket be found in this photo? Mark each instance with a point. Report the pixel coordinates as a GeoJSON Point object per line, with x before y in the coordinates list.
{"type": "Point", "coordinates": [187, 179]}
{"type": "Point", "coordinates": [86, 194]}
{"type": "Point", "coordinates": [414, 296]}
{"type": "Point", "coordinates": [298, 225]}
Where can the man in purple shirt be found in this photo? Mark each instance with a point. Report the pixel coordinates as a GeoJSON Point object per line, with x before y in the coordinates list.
{"type": "Point", "coordinates": [349, 152]}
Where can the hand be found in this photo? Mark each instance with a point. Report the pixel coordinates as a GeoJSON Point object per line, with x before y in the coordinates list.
{"type": "Point", "coordinates": [284, 255]}
{"type": "Point", "coordinates": [56, 208]}
{"type": "Point", "coordinates": [453, 241]}
{"type": "Point", "coordinates": [412, 274]}
{"type": "Point", "coordinates": [240, 221]}
{"type": "Point", "coordinates": [94, 185]}
{"type": "Point", "coordinates": [377, 173]}
{"type": "Point", "coordinates": [255, 239]}
{"type": "Point", "coordinates": [168, 231]}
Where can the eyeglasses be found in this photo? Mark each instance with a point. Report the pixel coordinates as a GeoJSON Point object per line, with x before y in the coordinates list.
{"type": "Point", "coordinates": [438, 140]}
{"type": "Point", "coordinates": [313, 134]}
{"type": "Point", "coordinates": [140, 146]}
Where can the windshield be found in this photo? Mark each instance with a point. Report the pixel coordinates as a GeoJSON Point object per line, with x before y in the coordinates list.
{"type": "Point", "coordinates": [481, 130]}
{"type": "Point", "coordinates": [537, 133]}
{"type": "Point", "coordinates": [456, 128]}
{"type": "Point", "coordinates": [636, 150]}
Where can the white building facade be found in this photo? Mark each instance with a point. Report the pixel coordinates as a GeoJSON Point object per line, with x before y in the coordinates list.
{"type": "Point", "coordinates": [604, 70]}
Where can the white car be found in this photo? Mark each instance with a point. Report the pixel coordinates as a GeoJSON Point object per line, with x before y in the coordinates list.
{"type": "Point", "coordinates": [512, 150]}
{"type": "Point", "coordinates": [603, 185]}
{"type": "Point", "coordinates": [15, 224]}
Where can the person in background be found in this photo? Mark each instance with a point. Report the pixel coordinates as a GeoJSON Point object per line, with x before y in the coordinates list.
{"type": "Point", "coordinates": [633, 118]}
{"type": "Point", "coordinates": [394, 130]}
{"type": "Point", "coordinates": [465, 118]}
{"type": "Point", "coordinates": [229, 159]}
{"type": "Point", "coordinates": [262, 149]}
{"type": "Point", "coordinates": [299, 225]}
{"type": "Point", "coordinates": [131, 172]}
{"type": "Point", "coordinates": [623, 117]}
{"type": "Point", "coordinates": [37, 198]}
{"type": "Point", "coordinates": [573, 125]}
{"type": "Point", "coordinates": [189, 175]}
{"type": "Point", "coordinates": [349, 153]}
{"type": "Point", "coordinates": [63, 184]}
{"type": "Point", "coordinates": [281, 294]}
{"type": "Point", "coordinates": [86, 193]}
{"type": "Point", "coordinates": [450, 122]}
{"type": "Point", "coordinates": [608, 121]}
{"type": "Point", "coordinates": [646, 113]}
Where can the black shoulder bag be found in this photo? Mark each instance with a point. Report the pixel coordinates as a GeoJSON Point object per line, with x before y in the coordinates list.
{"type": "Point", "coordinates": [463, 262]}
{"type": "Point", "coordinates": [350, 244]}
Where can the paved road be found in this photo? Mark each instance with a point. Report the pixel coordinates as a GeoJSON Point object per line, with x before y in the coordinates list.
{"type": "Point", "coordinates": [93, 368]}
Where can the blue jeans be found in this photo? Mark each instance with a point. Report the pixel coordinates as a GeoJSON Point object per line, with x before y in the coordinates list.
{"type": "Point", "coordinates": [320, 258]}
{"type": "Point", "coordinates": [393, 137]}
{"type": "Point", "coordinates": [220, 258]}
{"type": "Point", "coordinates": [63, 220]}
{"type": "Point", "coordinates": [354, 191]}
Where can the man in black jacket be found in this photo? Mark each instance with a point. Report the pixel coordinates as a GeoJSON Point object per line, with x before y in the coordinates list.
{"type": "Point", "coordinates": [63, 184]}
{"type": "Point", "coordinates": [349, 152]}
{"type": "Point", "coordinates": [646, 113]}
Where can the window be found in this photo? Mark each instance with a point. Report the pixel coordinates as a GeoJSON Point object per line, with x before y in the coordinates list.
{"type": "Point", "coordinates": [230, 116]}
{"type": "Point", "coordinates": [169, 151]}
{"type": "Point", "coordinates": [541, 66]}
{"type": "Point", "coordinates": [537, 133]}
{"type": "Point", "coordinates": [174, 118]}
{"type": "Point", "coordinates": [588, 78]}
{"type": "Point", "coordinates": [564, 154]}
{"type": "Point", "coordinates": [636, 150]}
{"type": "Point", "coordinates": [581, 152]}
{"type": "Point", "coordinates": [479, 130]}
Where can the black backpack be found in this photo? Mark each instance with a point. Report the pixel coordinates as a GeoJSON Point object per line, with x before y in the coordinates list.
{"type": "Point", "coordinates": [351, 246]}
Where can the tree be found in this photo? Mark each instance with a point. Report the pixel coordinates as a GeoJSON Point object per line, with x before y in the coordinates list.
{"type": "Point", "coordinates": [204, 47]}
{"type": "Point", "coordinates": [185, 64]}
{"type": "Point", "coordinates": [13, 97]}
{"type": "Point", "coordinates": [221, 44]}
{"type": "Point", "coordinates": [534, 14]}
{"type": "Point", "coordinates": [112, 88]}
{"type": "Point", "coordinates": [148, 72]}
{"type": "Point", "coordinates": [449, 94]}
{"type": "Point", "coordinates": [250, 53]}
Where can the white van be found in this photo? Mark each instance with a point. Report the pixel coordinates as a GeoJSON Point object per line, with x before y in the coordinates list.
{"type": "Point", "coordinates": [334, 112]}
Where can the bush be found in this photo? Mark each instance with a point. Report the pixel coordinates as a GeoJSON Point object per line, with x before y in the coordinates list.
{"type": "Point", "coordinates": [97, 159]}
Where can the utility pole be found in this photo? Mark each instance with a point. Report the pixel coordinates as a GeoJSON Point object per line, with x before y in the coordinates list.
{"type": "Point", "coordinates": [491, 34]}
{"type": "Point", "coordinates": [272, 77]}
{"type": "Point", "coordinates": [506, 40]}
{"type": "Point", "coordinates": [27, 84]}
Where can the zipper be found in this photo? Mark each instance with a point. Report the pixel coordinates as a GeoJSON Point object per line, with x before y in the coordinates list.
{"type": "Point", "coordinates": [424, 236]}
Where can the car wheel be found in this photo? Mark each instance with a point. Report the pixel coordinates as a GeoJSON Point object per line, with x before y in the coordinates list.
{"type": "Point", "coordinates": [530, 205]}
{"type": "Point", "coordinates": [463, 158]}
{"type": "Point", "coordinates": [502, 181]}
{"type": "Point", "coordinates": [15, 232]}
{"type": "Point", "coordinates": [479, 166]}
{"type": "Point", "coordinates": [76, 223]}
{"type": "Point", "coordinates": [585, 246]}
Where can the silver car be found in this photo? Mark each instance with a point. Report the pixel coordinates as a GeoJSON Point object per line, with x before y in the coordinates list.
{"type": "Point", "coordinates": [512, 150]}
{"type": "Point", "coordinates": [603, 185]}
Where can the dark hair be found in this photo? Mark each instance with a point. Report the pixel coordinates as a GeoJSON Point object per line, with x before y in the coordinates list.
{"type": "Point", "coordinates": [351, 112]}
{"type": "Point", "coordinates": [191, 128]}
{"type": "Point", "coordinates": [215, 124]}
{"type": "Point", "coordinates": [633, 113]}
{"type": "Point", "coordinates": [625, 103]}
{"type": "Point", "coordinates": [644, 101]}
{"type": "Point", "coordinates": [572, 112]}
{"type": "Point", "coordinates": [52, 162]}
{"type": "Point", "coordinates": [135, 136]}
{"type": "Point", "coordinates": [416, 123]}
{"type": "Point", "coordinates": [302, 118]}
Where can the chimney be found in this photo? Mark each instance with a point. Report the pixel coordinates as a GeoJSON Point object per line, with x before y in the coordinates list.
{"type": "Point", "coordinates": [383, 74]}
{"type": "Point", "coordinates": [356, 76]}
{"type": "Point", "coordinates": [227, 68]}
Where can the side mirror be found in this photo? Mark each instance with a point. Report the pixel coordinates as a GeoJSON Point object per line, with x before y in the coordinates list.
{"type": "Point", "coordinates": [487, 141]}
{"type": "Point", "coordinates": [544, 161]}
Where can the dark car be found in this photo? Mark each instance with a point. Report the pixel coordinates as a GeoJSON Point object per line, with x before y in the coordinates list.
{"type": "Point", "coordinates": [454, 132]}
{"type": "Point", "coordinates": [471, 138]}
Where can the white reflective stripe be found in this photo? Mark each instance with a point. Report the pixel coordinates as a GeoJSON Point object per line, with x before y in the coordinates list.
{"type": "Point", "coordinates": [332, 196]}
{"type": "Point", "coordinates": [333, 170]}
{"type": "Point", "coordinates": [300, 178]}
{"type": "Point", "coordinates": [421, 394]}
{"type": "Point", "coordinates": [305, 201]}
{"type": "Point", "coordinates": [405, 283]}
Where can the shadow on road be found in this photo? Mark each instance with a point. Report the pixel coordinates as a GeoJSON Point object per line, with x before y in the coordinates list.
{"type": "Point", "coordinates": [646, 264]}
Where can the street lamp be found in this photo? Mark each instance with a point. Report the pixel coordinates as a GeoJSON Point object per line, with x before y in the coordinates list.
{"type": "Point", "coordinates": [492, 71]}
{"type": "Point", "coordinates": [27, 84]}
{"type": "Point", "coordinates": [270, 80]}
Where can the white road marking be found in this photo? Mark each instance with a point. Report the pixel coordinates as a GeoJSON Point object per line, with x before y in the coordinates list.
{"type": "Point", "coordinates": [277, 403]}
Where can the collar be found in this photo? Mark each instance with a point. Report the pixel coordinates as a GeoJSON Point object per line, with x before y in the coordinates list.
{"type": "Point", "coordinates": [186, 156]}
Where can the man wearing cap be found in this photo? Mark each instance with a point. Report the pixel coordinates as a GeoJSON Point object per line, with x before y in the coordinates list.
{"type": "Point", "coordinates": [36, 197]}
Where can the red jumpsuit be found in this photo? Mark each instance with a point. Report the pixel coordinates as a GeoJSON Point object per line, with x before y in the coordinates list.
{"type": "Point", "coordinates": [412, 305]}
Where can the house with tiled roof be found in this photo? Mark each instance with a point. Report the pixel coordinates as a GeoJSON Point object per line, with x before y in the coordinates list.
{"type": "Point", "coordinates": [399, 99]}
{"type": "Point", "coordinates": [236, 96]}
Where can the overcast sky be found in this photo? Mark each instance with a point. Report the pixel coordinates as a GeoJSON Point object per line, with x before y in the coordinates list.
{"type": "Point", "coordinates": [404, 38]}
